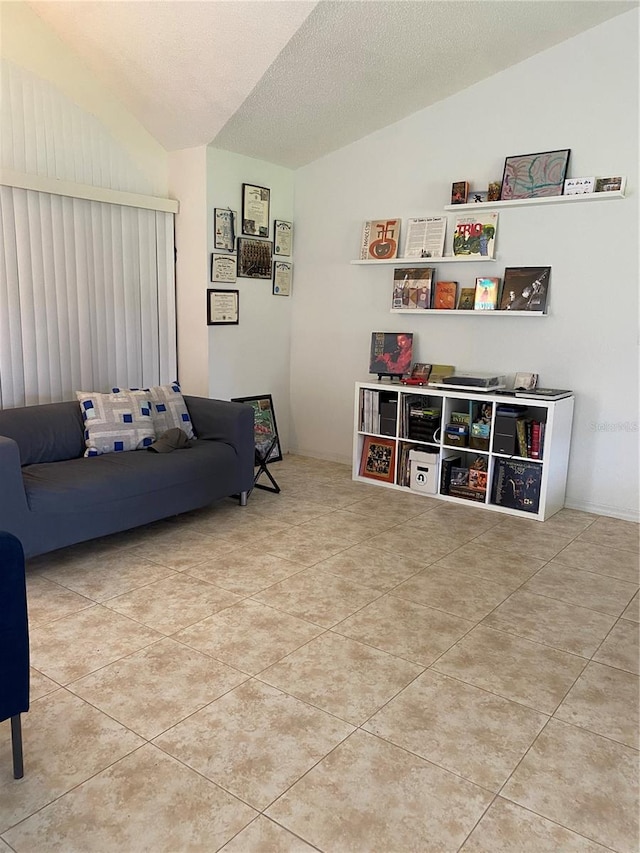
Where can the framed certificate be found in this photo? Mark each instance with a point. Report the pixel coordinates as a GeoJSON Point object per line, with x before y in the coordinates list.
{"type": "Point", "coordinates": [282, 273]}
{"type": "Point", "coordinates": [222, 307]}
{"type": "Point", "coordinates": [223, 268]}
{"type": "Point", "coordinates": [255, 210]}
{"type": "Point", "coordinates": [282, 237]}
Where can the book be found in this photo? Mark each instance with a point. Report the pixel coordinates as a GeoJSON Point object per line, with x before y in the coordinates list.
{"type": "Point", "coordinates": [444, 295]}
{"type": "Point", "coordinates": [486, 294]}
{"type": "Point", "coordinates": [516, 484]}
{"type": "Point", "coordinates": [544, 393]}
{"type": "Point", "coordinates": [457, 490]}
{"type": "Point", "coordinates": [463, 418]}
{"type": "Point", "coordinates": [478, 480]}
{"type": "Point", "coordinates": [525, 289]}
{"type": "Point", "coordinates": [467, 299]}
{"type": "Point", "coordinates": [459, 192]}
{"type": "Point", "coordinates": [475, 234]}
{"type": "Point", "coordinates": [412, 287]}
{"type": "Point", "coordinates": [425, 237]}
{"type": "Point", "coordinates": [521, 435]}
{"type": "Point", "coordinates": [380, 239]}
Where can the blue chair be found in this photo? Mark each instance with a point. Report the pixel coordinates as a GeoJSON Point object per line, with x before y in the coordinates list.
{"type": "Point", "coordinates": [14, 643]}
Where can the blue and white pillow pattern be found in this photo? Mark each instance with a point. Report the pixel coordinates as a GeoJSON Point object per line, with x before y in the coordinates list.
{"type": "Point", "coordinates": [116, 422]}
{"type": "Point", "coordinates": [168, 408]}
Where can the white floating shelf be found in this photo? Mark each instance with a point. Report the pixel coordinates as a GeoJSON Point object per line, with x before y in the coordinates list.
{"type": "Point", "coordinates": [454, 312]}
{"type": "Point", "coordinates": [526, 202]}
{"type": "Point", "coordinates": [416, 262]}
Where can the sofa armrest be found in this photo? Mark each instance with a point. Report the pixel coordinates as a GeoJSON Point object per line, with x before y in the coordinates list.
{"type": "Point", "coordinates": [222, 420]}
{"type": "Point", "coordinates": [13, 500]}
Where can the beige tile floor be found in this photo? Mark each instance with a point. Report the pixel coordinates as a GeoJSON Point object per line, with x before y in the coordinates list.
{"type": "Point", "coordinates": [338, 668]}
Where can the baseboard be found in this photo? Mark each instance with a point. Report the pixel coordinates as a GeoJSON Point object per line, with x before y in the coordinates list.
{"type": "Point", "coordinates": [324, 457]}
{"type": "Point", "coordinates": [604, 509]}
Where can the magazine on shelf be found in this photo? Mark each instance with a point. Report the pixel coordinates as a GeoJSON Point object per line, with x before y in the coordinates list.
{"type": "Point", "coordinates": [425, 237]}
{"type": "Point", "coordinates": [474, 235]}
{"type": "Point", "coordinates": [380, 239]}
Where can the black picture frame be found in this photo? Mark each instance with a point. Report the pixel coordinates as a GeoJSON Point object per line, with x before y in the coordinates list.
{"type": "Point", "coordinates": [223, 307]}
{"type": "Point", "coordinates": [254, 258]}
{"type": "Point", "coordinates": [282, 277]}
{"type": "Point", "coordinates": [256, 204]}
{"type": "Point", "coordinates": [534, 175]}
{"type": "Point", "coordinates": [265, 428]}
{"type": "Point", "coordinates": [282, 238]}
{"type": "Point", "coordinates": [224, 229]}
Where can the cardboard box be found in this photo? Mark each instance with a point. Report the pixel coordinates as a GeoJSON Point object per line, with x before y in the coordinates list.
{"type": "Point", "coordinates": [424, 471]}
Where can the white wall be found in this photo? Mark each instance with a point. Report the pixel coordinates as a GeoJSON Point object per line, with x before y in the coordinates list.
{"type": "Point", "coordinates": [253, 357]}
{"type": "Point", "coordinates": [582, 95]}
{"type": "Point", "coordinates": [188, 182]}
{"type": "Point", "coordinates": [107, 146]}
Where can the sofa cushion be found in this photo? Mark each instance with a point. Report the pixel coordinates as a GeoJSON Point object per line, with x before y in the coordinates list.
{"type": "Point", "coordinates": [101, 482]}
{"type": "Point", "coordinates": [46, 433]}
{"type": "Point", "coordinates": [168, 408]}
{"type": "Point", "coordinates": [116, 422]}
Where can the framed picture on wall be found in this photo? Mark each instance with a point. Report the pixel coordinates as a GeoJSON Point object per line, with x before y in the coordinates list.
{"type": "Point", "coordinates": [254, 258]}
{"type": "Point", "coordinates": [282, 237]}
{"type": "Point", "coordinates": [223, 267]}
{"type": "Point", "coordinates": [224, 229]}
{"type": "Point", "coordinates": [282, 274]}
{"type": "Point", "coordinates": [223, 307]}
{"type": "Point", "coordinates": [255, 210]}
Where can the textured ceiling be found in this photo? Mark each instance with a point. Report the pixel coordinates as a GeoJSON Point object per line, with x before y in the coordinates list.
{"type": "Point", "coordinates": [288, 81]}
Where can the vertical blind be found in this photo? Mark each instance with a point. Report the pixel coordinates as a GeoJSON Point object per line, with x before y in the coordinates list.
{"type": "Point", "coordinates": [87, 297]}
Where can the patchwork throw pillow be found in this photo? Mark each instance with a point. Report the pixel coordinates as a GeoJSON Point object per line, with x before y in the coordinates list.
{"type": "Point", "coordinates": [168, 408]}
{"type": "Point", "coordinates": [116, 422]}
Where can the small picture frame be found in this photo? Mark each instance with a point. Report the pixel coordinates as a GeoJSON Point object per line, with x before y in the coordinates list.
{"type": "Point", "coordinates": [459, 192]}
{"type": "Point", "coordinates": [282, 237]}
{"type": "Point", "coordinates": [534, 175]}
{"type": "Point", "coordinates": [254, 258]}
{"type": "Point", "coordinates": [608, 185]}
{"type": "Point", "coordinates": [421, 371]}
{"type": "Point", "coordinates": [282, 275]}
{"type": "Point", "coordinates": [223, 307]}
{"type": "Point", "coordinates": [478, 196]}
{"type": "Point", "coordinates": [264, 426]}
{"type": "Point", "coordinates": [378, 459]}
{"type": "Point", "coordinates": [224, 229]}
{"type": "Point", "coordinates": [255, 210]}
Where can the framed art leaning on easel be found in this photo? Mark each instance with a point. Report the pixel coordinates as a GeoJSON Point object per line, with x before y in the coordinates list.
{"type": "Point", "coordinates": [267, 440]}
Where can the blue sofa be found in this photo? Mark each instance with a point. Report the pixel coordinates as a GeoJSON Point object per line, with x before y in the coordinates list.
{"type": "Point", "coordinates": [51, 495]}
